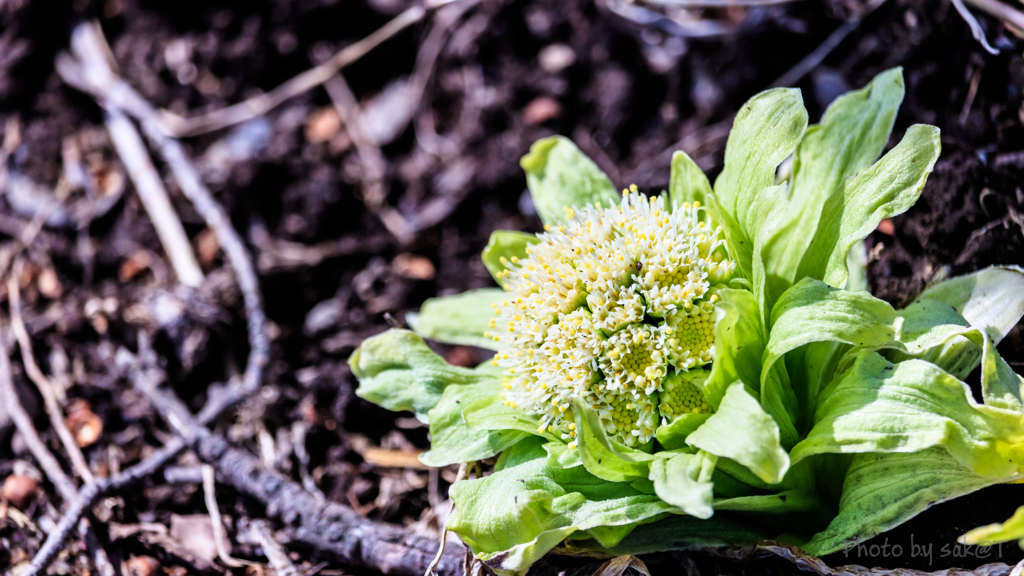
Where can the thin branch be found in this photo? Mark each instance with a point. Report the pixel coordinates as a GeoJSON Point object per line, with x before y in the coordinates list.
{"type": "Point", "coordinates": [260, 529]}
{"type": "Point", "coordinates": [154, 198]}
{"type": "Point", "coordinates": [1005, 12]}
{"type": "Point", "coordinates": [45, 386]}
{"type": "Point", "coordinates": [327, 526]}
{"type": "Point", "coordinates": [177, 126]}
{"type": "Point", "coordinates": [89, 493]}
{"type": "Point", "coordinates": [444, 533]}
{"type": "Point", "coordinates": [815, 58]}
{"type": "Point", "coordinates": [976, 30]}
{"type": "Point", "coordinates": [23, 422]}
{"type": "Point", "coordinates": [220, 539]}
{"type": "Point", "coordinates": [92, 73]}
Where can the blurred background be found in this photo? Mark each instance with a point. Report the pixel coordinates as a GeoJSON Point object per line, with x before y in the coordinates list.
{"type": "Point", "coordinates": [379, 149]}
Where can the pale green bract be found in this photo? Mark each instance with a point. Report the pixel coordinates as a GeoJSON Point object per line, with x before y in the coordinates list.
{"type": "Point", "coordinates": [701, 369]}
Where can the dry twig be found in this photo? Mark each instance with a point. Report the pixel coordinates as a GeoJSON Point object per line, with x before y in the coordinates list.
{"type": "Point", "coordinates": [52, 468]}
{"type": "Point", "coordinates": [154, 198]}
{"type": "Point", "coordinates": [815, 58]}
{"type": "Point", "coordinates": [327, 526]}
{"type": "Point", "coordinates": [260, 529]}
{"type": "Point", "coordinates": [45, 386]}
{"type": "Point", "coordinates": [177, 126]}
{"type": "Point", "coordinates": [91, 73]}
{"type": "Point", "coordinates": [976, 30]}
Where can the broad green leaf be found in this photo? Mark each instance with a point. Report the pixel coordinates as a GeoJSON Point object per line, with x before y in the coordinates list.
{"type": "Point", "coordinates": [767, 129]}
{"type": "Point", "coordinates": [492, 414]}
{"type": "Point", "coordinates": [741, 474]}
{"type": "Point", "coordinates": [1000, 385]}
{"type": "Point", "coordinates": [398, 371]}
{"type": "Point", "coordinates": [1012, 529]}
{"type": "Point", "coordinates": [909, 407]}
{"type": "Point", "coordinates": [811, 312]}
{"type": "Point", "coordinates": [739, 345]}
{"type": "Point", "coordinates": [688, 533]}
{"type": "Point", "coordinates": [560, 176]}
{"type": "Point", "coordinates": [451, 441]}
{"type": "Point", "coordinates": [460, 319]}
{"type": "Point", "coordinates": [992, 299]}
{"type": "Point", "coordinates": [603, 456]}
{"type": "Point", "coordinates": [561, 456]}
{"type": "Point", "coordinates": [686, 182]}
{"type": "Point", "coordinates": [767, 215]}
{"type": "Point", "coordinates": [883, 491]}
{"type": "Point", "coordinates": [513, 517]}
{"type": "Point", "coordinates": [889, 187]}
{"type": "Point", "coordinates": [788, 502]}
{"type": "Point", "coordinates": [740, 247]}
{"type": "Point", "coordinates": [530, 448]}
{"type": "Point", "coordinates": [742, 431]}
{"type": "Point", "coordinates": [504, 248]}
{"type": "Point", "coordinates": [851, 135]}
{"type": "Point", "coordinates": [684, 480]}
{"type": "Point", "coordinates": [673, 435]}
{"type": "Point", "coordinates": [933, 331]}
{"type": "Point", "coordinates": [857, 266]}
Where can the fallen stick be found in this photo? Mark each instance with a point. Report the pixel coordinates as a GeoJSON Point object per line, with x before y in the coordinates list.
{"type": "Point", "coordinates": [176, 126]}
{"type": "Point", "coordinates": [327, 526]}
{"type": "Point", "coordinates": [818, 55]}
{"type": "Point", "coordinates": [219, 402]}
{"type": "Point", "coordinates": [154, 198]}
{"type": "Point", "coordinates": [92, 73]}
{"type": "Point", "coordinates": [35, 374]}
{"type": "Point", "coordinates": [49, 464]}
{"type": "Point", "coordinates": [260, 529]}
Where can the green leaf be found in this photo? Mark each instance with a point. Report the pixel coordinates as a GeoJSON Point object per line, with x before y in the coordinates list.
{"type": "Point", "coordinates": [739, 345]}
{"type": "Point", "coordinates": [1000, 385]}
{"type": "Point", "coordinates": [852, 134]}
{"type": "Point", "coordinates": [992, 299]}
{"type": "Point", "coordinates": [889, 187]}
{"type": "Point", "coordinates": [460, 319]}
{"type": "Point", "coordinates": [933, 331]}
{"type": "Point", "coordinates": [513, 517]}
{"type": "Point", "coordinates": [684, 480]}
{"type": "Point", "coordinates": [561, 456]}
{"type": "Point", "coordinates": [787, 502]}
{"type": "Point", "coordinates": [686, 182]}
{"type": "Point", "coordinates": [492, 414]}
{"type": "Point", "coordinates": [812, 312]}
{"type": "Point", "coordinates": [451, 441]}
{"type": "Point", "coordinates": [1012, 529]}
{"type": "Point", "coordinates": [673, 435]}
{"type": "Point", "coordinates": [688, 533]}
{"type": "Point", "coordinates": [502, 247]}
{"type": "Point", "coordinates": [398, 371]}
{"type": "Point", "coordinates": [883, 491]}
{"type": "Point", "coordinates": [857, 265]}
{"type": "Point", "coordinates": [560, 176]}
{"type": "Point", "coordinates": [767, 129]}
{"type": "Point", "coordinates": [742, 431]}
{"type": "Point", "coordinates": [530, 448]}
{"type": "Point", "coordinates": [603, 456]}
{"type": "Point", "coordinates": [909, 407]}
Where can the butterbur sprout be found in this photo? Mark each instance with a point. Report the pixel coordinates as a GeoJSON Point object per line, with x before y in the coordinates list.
{"type": "Point", "coordinates": [662, 359]}
{"type": "Point", "coordinates": [604, 308]}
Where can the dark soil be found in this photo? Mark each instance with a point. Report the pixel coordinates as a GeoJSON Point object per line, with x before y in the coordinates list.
{"type": "Point", "coordinates": [331, 272]}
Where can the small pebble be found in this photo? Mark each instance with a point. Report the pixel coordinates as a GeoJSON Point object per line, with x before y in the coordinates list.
{"type": "Point", "coordinates": [19, 490]}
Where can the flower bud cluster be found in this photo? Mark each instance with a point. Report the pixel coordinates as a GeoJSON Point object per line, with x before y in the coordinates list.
{"type": "Point", "coordinates": [605, 308]}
